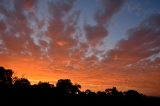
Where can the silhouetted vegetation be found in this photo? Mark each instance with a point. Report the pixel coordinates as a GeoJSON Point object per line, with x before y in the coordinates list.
{"type": "Point", "coordinates": [19, 91]}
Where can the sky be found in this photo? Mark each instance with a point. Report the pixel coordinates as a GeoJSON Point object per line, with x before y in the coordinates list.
{"type": "Point", "coordinates": [98, 44]}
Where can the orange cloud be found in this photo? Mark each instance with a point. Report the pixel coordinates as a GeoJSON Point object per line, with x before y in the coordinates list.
{"type": "Point", "coordinates": [61, 43]}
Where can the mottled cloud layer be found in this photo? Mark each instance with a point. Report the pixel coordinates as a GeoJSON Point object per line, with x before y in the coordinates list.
{"type": "Point", "coordinates": [50, 28]}
{"type": "Point", "coordinates": [142, 43]}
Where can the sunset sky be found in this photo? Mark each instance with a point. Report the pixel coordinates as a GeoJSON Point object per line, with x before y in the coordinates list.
{"type": "Point", "coordinates": [96, 43]}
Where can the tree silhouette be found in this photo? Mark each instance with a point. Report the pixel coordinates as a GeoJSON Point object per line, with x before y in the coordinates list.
{"type": "Point", "coordinates": [21, 87]}
{"type": "Point", "coordinates": [5, 76]}
{"type": "Point", "coordinates": [65, 86]}
{"type": "Point", "coordinates": [44, 88]}
{"type": "Point", "coordinates": [5, 81]}
{"type": "Point", "coordinates": [23, 82]}
{"type": "Point", "coordinates": [88, 91]}
{"type": "Point", "coordinates": [130, 94]}
{"type": "Point", "coordinates": [113, 92]}
{"type": "Point", "coordinates": [45, 85]}
{"type": "Point", "coordinates": [65, 93]}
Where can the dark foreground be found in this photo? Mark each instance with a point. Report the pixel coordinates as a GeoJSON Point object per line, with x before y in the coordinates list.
{"type": "Point", "coordinates": [77, 101]}
{"type": "Point", "coordinates": [19, 92]}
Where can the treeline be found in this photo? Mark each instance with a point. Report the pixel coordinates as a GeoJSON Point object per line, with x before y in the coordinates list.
{"type": "Point", "coordinates": [14, 90]}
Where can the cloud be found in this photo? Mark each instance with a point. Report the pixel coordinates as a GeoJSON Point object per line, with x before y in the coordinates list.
{"type": "Point", "coordinates": [37, 26]}
{"type": "Point", "coordinates": [102, 18]}
{"type": "Point", "coordinates": [110, 7]}
{"type": "Point", "coordinates": [28, 4]}
{"type": "Point", "coordinates": [142, 42]}
{"type": "Point", "coordinates": [62, 29]}
{"type": "Point", "coordinates": [51, 28]}
{"type": "Point", "coordinates": [13, 34]}
{"type": "Point", "coordinates": [95, 33]}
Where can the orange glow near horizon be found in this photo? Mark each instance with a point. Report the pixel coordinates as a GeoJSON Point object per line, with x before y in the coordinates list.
{"type": "Point", "coordinates": [94, 80]}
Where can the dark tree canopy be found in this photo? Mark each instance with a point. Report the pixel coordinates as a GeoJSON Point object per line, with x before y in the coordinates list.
{"type": "Point", "coordinates": [65, 93]}
{"type": "Point", "coordinates": [22, 82]}
{"type": "Point", "coordinates": [5, 76]}
{"type": "Point", "coordinates": [65, 86]}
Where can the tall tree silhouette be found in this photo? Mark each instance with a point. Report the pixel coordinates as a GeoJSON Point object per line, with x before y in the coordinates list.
{"type": "Point", "coordinates": [113, 92]}
{"type": "Point", "coordinates": [44, 88]}
{"type": "Point", "coordinates": [23, 82]}
{"type": "Point", "coordinates": [22, 87]}
{"type": "Point", "coordinates": [5, 81]}
{"type": "Point", "coordinates": [5, 76]}
{"type": "Point", "coordinates": [65, 86]}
